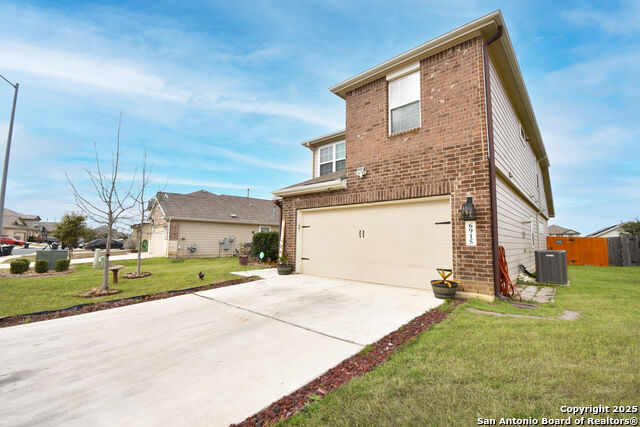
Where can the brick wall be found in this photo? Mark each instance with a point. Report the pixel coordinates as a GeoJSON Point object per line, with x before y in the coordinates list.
{"type": "Point", "coordinates": [174, 227]}
{"type": "Point", "coordinates": [448, 154]}
{"type": "Point", "coordinates": [156, 216]}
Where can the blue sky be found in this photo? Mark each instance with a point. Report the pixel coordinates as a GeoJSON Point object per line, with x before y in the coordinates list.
{"type": "Point", "coordinates": [221, 93]}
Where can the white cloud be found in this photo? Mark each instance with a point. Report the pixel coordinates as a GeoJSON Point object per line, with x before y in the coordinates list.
{"type": "Point", "coordinates": [197, 183]}
{"type": "Point", "coordinates": [86, 69]}
{"type": "Point", "coordinates": [330, 119]}
{"type": "Point", "coordinates": [256, 161]}
{"type": "Point", "coordinates": [623, 20]}
{"type": "Point", "coordinates": [603, 75]}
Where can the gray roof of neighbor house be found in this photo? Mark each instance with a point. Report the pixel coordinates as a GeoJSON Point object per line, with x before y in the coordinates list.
{"type": "Point", "coordinates": [50, 226]}
{"type": "Point", "coordinates": [205, 206]}
{"type": "Point", "coordinates": [117, 234]}
{"type": "Point", "coordinates": [556, 229]}
{"type": "Point", "coordinates": [9, 218]}
{"type": "Point", "coordinates": [604, 230]}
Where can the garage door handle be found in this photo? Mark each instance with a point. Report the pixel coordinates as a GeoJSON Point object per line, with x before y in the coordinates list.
{"type": "Point", "coordinates": [443, 222]}
{"type": "Point", "coordinates": [305, 259]}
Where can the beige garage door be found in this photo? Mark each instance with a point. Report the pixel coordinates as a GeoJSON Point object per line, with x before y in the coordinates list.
{"type": "Point", "coordinates": [158, 241]}
{"type": "Point", "coordinates": [396, 244]}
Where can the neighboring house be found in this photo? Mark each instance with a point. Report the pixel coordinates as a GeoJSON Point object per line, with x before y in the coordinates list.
{"type": "Point", "coordinates": [611, 231]}
{"type": "Point", "coordinates": [49, 227]}
{"type": "Point", "coordinates": [19, 226]}
{"type": "Point", "coordinates": [146, 232]}
{"type": "Point", "coordinates": [557, 231]}
{"type": "Point", "coordinates": [448, 120]}
{"type": "Point", "coordinates": [208, 224]}
{"type": "Point", "coordinates": [102, 231]}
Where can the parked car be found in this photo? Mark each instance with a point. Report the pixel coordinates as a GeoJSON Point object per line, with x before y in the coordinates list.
{"type": "Point", "coordinates": [76, 246]}
{"type": "Point", "coordinates": [6, 240]}
{"type": "Point", "coordinates": [102, 244]}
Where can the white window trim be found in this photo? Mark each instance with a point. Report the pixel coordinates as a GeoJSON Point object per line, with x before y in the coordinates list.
{"type": "Point", "coordinates": [333, 145]}
{"type": "Point", "coordinates": [264, 226]}
{"type": "Point", "coordinates": [413, 68]}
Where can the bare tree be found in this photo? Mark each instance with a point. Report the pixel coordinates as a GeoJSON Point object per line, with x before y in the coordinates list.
{"type": "Point", "coordinates": [142, 204]}
{"type": "Point", "coordinates": [113, 200]}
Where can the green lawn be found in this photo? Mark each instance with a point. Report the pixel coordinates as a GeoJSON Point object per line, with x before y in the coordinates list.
{"type": "Point", "coordinates": [474, 365]}
{"type": "Point", "coordinates": [21, 295]}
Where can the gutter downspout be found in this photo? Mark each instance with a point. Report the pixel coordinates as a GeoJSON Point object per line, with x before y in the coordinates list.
{"type": "Point", "coordinates": [278, 203]}
{"type": "Point", "coordinates": [492, 164]}
{"type": "Point", "coordinates": [168, 236]}
{"type": "Point", "coordinates": [539, 183]}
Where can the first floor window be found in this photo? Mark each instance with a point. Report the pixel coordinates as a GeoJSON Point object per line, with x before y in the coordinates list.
{"type": "Point", "coordinates": [332, 158]}
{"type": "Point", "coordinates": [265, 229]}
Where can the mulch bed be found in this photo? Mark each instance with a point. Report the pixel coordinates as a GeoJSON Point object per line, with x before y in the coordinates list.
{"type": "Point", "coordinates": [355, 366]}
{"type": "Point", "coordinates": [104, 305]}
{"type": "Point", "coordinates": [32, 273]}
{"type": "Point", "coordinates": [97, 292]}
{"type": "Point", "coordinates": [134, 275]}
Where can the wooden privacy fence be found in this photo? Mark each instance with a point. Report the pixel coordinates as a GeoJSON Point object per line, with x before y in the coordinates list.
{"type": "Point", "coordinates": [624, 250]}
{"type": "Point", "coordinates": [581, 250]}
{"type": "Point", "coordinates": [603, 251]}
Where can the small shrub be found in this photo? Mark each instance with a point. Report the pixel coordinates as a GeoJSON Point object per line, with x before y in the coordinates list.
{"type": "Point", "coordinates": [62, 264]}
{"type": "Point", "coordinates": [19, 266]}
{"type": "Point", "coordinates": [266, 242]}
{"type": "Point", "coordinates": [366, 349]}
{"type": "Point", "coordinates": [42, 266]}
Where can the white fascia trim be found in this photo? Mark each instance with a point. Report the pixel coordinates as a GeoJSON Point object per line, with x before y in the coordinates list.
{"type": "Point", "coordinates": [336, 184]}
{"type": "Point", "coordinates": [324, 138]}
{"type": "Point", "coordinates": [401, 72]}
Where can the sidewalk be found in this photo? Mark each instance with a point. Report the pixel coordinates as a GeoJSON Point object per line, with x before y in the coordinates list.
{"type": "Point", "coordinates": [145, 255]}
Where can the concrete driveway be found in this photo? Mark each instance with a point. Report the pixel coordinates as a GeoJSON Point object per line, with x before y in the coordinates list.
{"type": "Point", "coordinates": [209, 358]}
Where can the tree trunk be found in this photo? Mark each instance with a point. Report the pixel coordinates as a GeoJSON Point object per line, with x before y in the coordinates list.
{"type": "Point", "coordinates": [138, 272]}
{"type": "Point", "coordinates": [105, 273]}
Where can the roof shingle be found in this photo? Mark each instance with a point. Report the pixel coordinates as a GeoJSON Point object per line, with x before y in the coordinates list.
{"type": "Point", "coordinates": [206, 206]}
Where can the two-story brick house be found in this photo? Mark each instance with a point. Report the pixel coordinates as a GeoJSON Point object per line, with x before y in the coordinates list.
{"type": "Point", "coordinates": [445, 121]}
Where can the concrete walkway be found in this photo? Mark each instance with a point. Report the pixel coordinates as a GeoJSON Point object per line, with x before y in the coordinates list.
{"type": "Point", "coordinates": [540, 294]}
{"type": "Point", "coordinates": [80, 260]}
{"type": "Point", "coordinates": [209, 358]}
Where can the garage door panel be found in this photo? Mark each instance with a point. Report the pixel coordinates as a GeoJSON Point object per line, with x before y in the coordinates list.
{"type": "Point", "coordinates": [401, 245]}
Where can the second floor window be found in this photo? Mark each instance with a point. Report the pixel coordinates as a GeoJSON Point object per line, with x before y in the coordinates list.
{"type": "Point", "coordinates": [332, 158]}
{"type": "Point", "coordinates": [404, 103]}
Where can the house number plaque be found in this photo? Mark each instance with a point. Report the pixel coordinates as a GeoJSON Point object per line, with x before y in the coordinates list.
{"type": "Point", "coordinates": [470, 232]}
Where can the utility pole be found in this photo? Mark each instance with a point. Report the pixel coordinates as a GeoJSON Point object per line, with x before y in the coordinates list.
{"type": "Point", "coordinates": [8, 150]}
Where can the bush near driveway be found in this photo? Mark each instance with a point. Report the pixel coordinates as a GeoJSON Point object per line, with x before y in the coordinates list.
{"type": "Point", "coordinates": [266, 242]}
{"type": "Point", "coordinates": [22, 295]}
{"type": "Point", "coordinates": [473, 365]}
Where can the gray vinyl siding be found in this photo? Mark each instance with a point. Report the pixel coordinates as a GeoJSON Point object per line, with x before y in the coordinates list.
{"type": "Point", "coordinates": [207, 235]}
{"type": "Point", "coordinates": [514, 156]}
{"type": "Point", "coordinates": [514, 215]}
{"type": "Point", "coordinates": [516, 160]}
